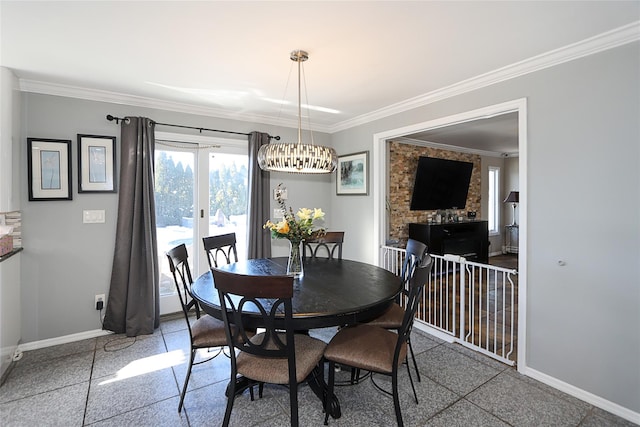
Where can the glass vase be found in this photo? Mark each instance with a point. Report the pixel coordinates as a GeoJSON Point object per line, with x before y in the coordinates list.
{"type": "Point", "coordinates": [294, 264]}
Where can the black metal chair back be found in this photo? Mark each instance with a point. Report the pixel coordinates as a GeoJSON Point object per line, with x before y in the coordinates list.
{"type": "Point", "coordinates": [270, 296]}
{"type": "Point", "coordinates": [179, 267]}
{"type": "Point", "coordinates": [416, 284]}
{"type": "Point", "coordinates": [330, 242]}
{"type": "Point", "coordinates": [223, 244]}
{"type": "Point", "coordinates": [415, 253]}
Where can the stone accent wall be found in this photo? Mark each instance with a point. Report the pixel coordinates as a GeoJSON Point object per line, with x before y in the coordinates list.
{"type": "Point", "coordinates": [14, 219]}
{"type": "Point", "coordinates": [403, 162]}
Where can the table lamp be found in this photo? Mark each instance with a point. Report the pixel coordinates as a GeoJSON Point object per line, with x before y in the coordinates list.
{"type": "Point", "coordinates": [513, 197]}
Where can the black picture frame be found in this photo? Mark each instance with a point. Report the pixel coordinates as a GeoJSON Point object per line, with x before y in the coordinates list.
{"type": "Point", "coordinates": [352, 178]}
{"type": "Point", "coordinates": [49, 169]}
{"type": "Point", "coordinates": [96, 164]}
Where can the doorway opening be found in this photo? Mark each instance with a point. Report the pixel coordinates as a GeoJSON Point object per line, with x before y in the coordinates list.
{"type": "Point", "coordinates": [381, 190]}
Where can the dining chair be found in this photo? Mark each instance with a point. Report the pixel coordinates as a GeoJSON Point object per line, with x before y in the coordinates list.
{"type": "Point", "coordinates": [223, 244]}
{"type": "Point", "coordinates": [392, 318]}
{"type": "Point", "coordinates": [376, 349]}
{"type": "Point", "coordinates": [330, 242]}
{"type": "Point", "coordinates": [275, 356]}
{"type": "Point", "coordinates": [205, 332]}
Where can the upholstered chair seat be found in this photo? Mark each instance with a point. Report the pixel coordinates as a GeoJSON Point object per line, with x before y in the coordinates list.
{"type": "Point", "coordinates": [308, 352]}
{"type": "Point", "coordinates": [369, 347]}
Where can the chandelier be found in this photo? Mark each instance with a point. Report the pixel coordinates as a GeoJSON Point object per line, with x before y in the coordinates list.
{"type": "Point", "coordinates": [299, 158]}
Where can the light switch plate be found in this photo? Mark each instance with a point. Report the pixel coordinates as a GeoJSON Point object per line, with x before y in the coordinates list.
{"type": "Point", "coordinates": [93, 216]}
{"type": "Point", "coordinates": [278, 213]}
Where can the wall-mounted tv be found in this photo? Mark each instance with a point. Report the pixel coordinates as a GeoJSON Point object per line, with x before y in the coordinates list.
{"type": "Point", "coordinates": [441, 184]}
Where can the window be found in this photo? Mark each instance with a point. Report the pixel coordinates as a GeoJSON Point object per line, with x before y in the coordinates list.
{"type": "Point", "coordinates": [494, 199]}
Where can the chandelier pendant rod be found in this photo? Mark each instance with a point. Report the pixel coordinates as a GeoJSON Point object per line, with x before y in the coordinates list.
{"type": "Point", "coordinates": [299, 56]}
{"type": "Point", "coordinates": [299, 103]}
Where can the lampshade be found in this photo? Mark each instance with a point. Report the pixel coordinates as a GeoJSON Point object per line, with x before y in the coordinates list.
{"type": "Point", "coordinates": [513, 197]}
{"type": "Point", "coordinates": [298, 158]}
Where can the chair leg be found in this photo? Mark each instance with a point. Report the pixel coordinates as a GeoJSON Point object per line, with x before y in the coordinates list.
{"type": "Point", "coordinates": [331, 381]}
{"type": "Point", "coordinates": [230, 399]}
{"type": "Point", "coordinates": [186, 379]}
{"type": "Point", "coordinates": [355, 374]}
{"type": "Point", "coordinates": [415, 395]}
{"type": "Point", "coordinates": [293, 401]}
{"type": "Point", "coordinates": [413, 357]}
{"type": "Point", "coordinates": [396, 398]}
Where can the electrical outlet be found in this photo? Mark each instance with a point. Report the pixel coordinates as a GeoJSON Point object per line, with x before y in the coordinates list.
{"type": "Point", "coordinates": [99, 302]}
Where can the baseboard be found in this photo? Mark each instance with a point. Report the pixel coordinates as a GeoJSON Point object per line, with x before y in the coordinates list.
{"type": "Point", "coordinates": [571, 390]}
{"type": "Point", "coordinates": [419, 324]}
{"type": "Point", "coordinates": [34, 345]}
{"type": "Point", "coordinates": [583, 395]}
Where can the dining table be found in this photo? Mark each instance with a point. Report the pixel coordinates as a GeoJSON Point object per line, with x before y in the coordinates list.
{"type": "Point", "coordinates": [331, 292]}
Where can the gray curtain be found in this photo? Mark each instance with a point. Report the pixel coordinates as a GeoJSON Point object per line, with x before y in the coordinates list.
{"type": "Point", "coordinates": [259, 240]}
{"type": "Point", "coordinates": [133, 306]}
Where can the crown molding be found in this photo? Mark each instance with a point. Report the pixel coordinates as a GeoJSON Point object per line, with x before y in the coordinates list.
{"type": "Point", "coordinates": [608, 40]}
{"type": "Point", "coordinates": [411, 141]}
{"type": "Point", "coordinates": [599, 43]}
{"type": "Point", "coordinates": [56, 89]}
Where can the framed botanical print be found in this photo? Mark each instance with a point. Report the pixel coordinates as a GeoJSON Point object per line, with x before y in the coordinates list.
{"type": "Point", "coordinates": [49, 169]}
{"type": "Point", "coordinates": [353, 174]}
{"type": "Point", "coordinates": [96, 164]}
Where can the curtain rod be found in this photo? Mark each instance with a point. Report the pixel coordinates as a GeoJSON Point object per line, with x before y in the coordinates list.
{"type": "Point", "coordinates": [118, 119]}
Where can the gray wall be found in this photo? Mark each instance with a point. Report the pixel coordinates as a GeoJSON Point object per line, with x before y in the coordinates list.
{"type": "Point", "coordinates": [65, 262]}
{"type": "Point", "coordinates": [583, 207]}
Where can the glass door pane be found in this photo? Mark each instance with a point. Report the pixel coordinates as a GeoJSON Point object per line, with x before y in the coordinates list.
{"type": "Point", "coordinates": [228, 197]}
{"type": "Point", "coordinates": [174, 196]}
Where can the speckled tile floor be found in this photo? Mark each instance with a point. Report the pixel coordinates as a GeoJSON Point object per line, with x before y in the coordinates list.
{"type": "Point", "coordinates": [119, 381]}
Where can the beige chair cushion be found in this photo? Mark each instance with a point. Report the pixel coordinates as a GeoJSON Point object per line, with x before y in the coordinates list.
{"type": "Point", "coordinates": [208, 332]}
{"type": "Point", "coordinates": [309, 352]}
{"type": "Point", "coordinates": [390, 319]}
{"type": "Point", "coordinates": [365, 347]}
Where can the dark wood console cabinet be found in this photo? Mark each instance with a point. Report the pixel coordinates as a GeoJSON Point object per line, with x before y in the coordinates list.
{"type": "Point", "coordinates": [469, 239]}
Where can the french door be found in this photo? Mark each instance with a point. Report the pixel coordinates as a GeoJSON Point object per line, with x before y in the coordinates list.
{"type": "Point", "coordinates": [200, 190]}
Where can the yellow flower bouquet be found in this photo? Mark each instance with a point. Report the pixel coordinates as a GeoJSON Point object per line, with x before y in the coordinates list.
{"type": "Point", "coordinates": [295, 228]}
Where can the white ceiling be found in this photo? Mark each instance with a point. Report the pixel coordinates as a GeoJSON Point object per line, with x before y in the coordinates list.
{"type": "Point", "coordinates": [231, 59]}
{"type": "Point", "coordinates": [493, 135]}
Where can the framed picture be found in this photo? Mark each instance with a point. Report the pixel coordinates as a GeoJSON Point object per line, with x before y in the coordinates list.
{"type": "Point", "coordinates": [353, 174]}
{"type": "Point", "coordinates": [96, 164]}
{"type": "Point", "coordinates": [49, 168]}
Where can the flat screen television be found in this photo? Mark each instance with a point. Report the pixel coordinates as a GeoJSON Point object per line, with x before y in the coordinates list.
{"type": "Point", "coordinates": [441, 184]}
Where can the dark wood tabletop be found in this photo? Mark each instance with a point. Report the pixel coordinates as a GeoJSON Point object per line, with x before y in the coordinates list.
{"type": "Point", "coordinates": [331, 292]}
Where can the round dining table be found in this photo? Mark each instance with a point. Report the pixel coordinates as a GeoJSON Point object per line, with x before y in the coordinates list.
{"type": "Point", "coordinates": [331, 292]}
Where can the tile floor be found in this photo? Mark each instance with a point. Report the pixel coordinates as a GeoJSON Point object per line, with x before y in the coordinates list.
{"type": "Point", "coordinates": [119, 381]}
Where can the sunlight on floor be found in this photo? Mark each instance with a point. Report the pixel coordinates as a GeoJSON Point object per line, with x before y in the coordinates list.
{"type": "Point", "coordinates": [148, 364]}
